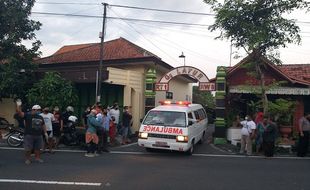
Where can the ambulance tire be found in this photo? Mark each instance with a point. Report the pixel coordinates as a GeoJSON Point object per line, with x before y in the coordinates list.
{"type": "Point", "coordinates": [203, 138]}
{"type": "Point", "coordinates": [190, 151]}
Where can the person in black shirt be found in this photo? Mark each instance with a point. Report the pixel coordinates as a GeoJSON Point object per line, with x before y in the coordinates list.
{"type": "Point", "coordinates": [34, 127]}
{"type": "Point", "coordinates": [19, 120]}
{"type": "Point", "coordinates": [85, 115]}
{"type": "Point", "coordinates": [126, 124]}
{"type": "Point", "coordinates": [269, 136]}
{"type": "Point", "coordinates": [65, 116]}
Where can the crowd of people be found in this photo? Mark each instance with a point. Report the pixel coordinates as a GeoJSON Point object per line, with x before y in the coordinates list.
{"type": "Point", "coordinates": [43, 128]}
{"type": "Point", "coordinates": [263, 132]}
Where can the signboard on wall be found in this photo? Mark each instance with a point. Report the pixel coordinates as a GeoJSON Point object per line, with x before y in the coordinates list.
{"type": "Point", "coordinates": [204, 84]}
{"type": "Point", "coordinates": [207, 86]}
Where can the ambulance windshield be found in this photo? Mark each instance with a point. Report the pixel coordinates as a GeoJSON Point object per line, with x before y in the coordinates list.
{"type": "Point", "coordinates": [165, 118]}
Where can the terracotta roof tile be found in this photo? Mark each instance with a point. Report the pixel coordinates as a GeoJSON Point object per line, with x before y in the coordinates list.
{"type": "Point", "coordinates": [297, 71]}
{"type": "Point", "coordinates": [115, 49]}
{"type": "Point", "coordinates": [69, 48]}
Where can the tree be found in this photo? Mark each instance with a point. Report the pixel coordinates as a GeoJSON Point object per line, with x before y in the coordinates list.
{"type": "Point", "coordinates": [52, 91]}
{"type": "Point", "coordinates": [257, 26]}
{"type": "Point", "coordinates": [207, 100]}
{"type": "Point", "coordinates": [15, 58]}
{"type": "Point", "coordinates": [204, 98]}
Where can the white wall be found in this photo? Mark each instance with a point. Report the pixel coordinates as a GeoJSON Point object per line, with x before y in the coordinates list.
{"type": "Point", "coordinates": [181, 90]}
{"type": "Point", "coordinates": [133, 83]}
{"type": "Point", "coordinates": [7, 109]}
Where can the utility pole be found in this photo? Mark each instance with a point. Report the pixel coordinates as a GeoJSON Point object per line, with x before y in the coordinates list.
{"type": "Point", "coordinates": [230, 53]}
{"type": "Point", "coordinates": [98, 95]}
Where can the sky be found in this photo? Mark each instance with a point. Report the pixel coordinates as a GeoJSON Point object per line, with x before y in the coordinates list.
{"type": "Point", "coordinates": [167, 41]}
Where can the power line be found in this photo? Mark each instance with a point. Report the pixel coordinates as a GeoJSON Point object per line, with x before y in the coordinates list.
{"type": "Point", "coordinates": [303, 22]}
{"type": "Point", "coordinates": [198, 32]}
{"type": "Point", "coordinates": [157, 21]}
{"type": "Point", "coordinates": [122, 18]}
{"type": "Point", "coordinates": [144, 36]}
{"type": "Point", "coordinates": [162, 10]}
{"type": "Point", "coordinates": [131, 7]}
{"type": "Point", "coordinates": [56, 3]}
{"type": "Point", "coordinates": [65, 14]}
{"type": "Point", "coordinates": [144, 8]}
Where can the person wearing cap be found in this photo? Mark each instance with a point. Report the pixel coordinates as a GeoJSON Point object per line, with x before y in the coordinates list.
{"type": "Point", "coordinates": [48, 118]}
{"type": "Point", "coordinates": [34, 127]}
{"type": "Point", "coordinates": [247, 135]}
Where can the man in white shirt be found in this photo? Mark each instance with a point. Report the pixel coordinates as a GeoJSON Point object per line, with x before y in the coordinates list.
{"type": "Point", "coordinates": [114, 112]}
{"type": "Point", "coordinates": [48, 118]}
{"type": "Point", "coordinates": [247, 134]}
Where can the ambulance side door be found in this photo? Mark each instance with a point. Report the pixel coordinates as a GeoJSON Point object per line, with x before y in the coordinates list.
{"type": "Point", "coordinates": [191, 125]}
{"type": "Point", "coordinates": [196, 128]}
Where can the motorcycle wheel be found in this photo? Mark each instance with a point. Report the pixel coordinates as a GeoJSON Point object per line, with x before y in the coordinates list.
{"type": "Point", "coordinates": [15, 139]}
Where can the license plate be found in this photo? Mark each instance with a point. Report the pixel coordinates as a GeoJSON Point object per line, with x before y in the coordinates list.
{"type": "Point", "coordinates": [158, 143]}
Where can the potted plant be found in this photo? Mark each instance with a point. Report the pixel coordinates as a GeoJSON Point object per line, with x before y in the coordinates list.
{"type": "Point", "coordinates": [283, 111]}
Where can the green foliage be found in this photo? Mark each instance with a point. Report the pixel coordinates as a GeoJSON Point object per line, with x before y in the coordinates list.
{"type": "Point", "coordinates": [257, 25]}
{"type": "Point", "coordinates": [52, 91]}
{"type": "Point", "coordinates": [204, 98]}
{"type": "Point", "coordinates": [283, 110]}
{"type": "Point", "coordinates": [14, 81]}
{"type": "Point", "coordinates": [254, 107]}
{"type": "Point", "coordinates": [259, 28]}
{"type": "Point", "coordinates": [15, 28]}
{"type": "Point", "coordinates": [231, 116]}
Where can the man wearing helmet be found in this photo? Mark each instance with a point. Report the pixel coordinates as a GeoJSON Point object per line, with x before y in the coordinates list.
{"type": "Point", "coordinates": [65, 116]}
{"type": "Point", "coordinates": [34, 126]}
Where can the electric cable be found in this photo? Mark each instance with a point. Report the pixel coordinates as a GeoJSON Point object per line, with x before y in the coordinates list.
{"type": "Point", "coordinates": [122, 18]}
{"type": "Point", "coordinates": [145, 37]}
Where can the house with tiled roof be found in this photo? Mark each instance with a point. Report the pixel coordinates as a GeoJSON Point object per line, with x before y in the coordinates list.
{"type": "Point", "coordinates": [242, 89]}
{"type": "Point", "coordinates": [126, 67]}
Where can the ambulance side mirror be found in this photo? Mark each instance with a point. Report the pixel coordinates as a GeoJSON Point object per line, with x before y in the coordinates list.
{"type": "Point", "coordinates": [191, 122]}
{"type": "Point", "coordinates": [141, 120]}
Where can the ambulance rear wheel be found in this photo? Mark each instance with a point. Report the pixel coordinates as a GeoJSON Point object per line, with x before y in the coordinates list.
{"type": "Point", "coordinates": [203, 138]}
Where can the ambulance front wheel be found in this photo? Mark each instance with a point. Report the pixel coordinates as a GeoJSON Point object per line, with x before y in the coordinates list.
{"type": "Point", "coordinates": [149, 149]}
{"type": "Point", "coordinates": [190, 150]}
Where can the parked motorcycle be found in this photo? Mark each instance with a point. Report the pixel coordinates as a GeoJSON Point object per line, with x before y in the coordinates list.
{"type": "Point", "coordinates": [71, 136]}
{"type": "Point", "coordinates": [4, 124]}
{"type": "Point", "coordinates": [15, 137]}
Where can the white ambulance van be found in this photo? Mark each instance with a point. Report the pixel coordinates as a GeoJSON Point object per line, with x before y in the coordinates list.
{"type": "Point", "coordinates": [174, 126]}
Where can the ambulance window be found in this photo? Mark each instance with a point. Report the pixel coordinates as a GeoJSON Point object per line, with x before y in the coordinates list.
{"type": "Point", "coordinates": [202, 114]}
{"type": "Point", "coordinates": [197, 115]}
{"type": "Point", "coordinates": [165, 118]}
{"type": "Point", "coordinates": [190, 115]}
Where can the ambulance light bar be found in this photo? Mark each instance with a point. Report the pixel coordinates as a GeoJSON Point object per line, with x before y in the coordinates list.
{"type": "Point", "coordinates": [168, 102]}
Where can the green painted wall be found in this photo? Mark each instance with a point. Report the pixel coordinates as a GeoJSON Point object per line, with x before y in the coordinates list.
{"type": "Point", "coordinates": [109, 94]}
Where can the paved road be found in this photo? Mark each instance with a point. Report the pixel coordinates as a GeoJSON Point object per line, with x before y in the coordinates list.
{"type": "Point", "coordinates": [160, 170]}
